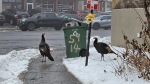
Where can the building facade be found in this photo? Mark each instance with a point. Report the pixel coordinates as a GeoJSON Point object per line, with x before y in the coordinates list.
{"type": "Point", "coordinates": [52, 5]}
{"type": "Point", "coordinates": [105, 5]}
{"type": "Point", "coordinates": [7, 4]}
{"type": "Point", "coordinates": [44, 5]}
{"type": "Point", "coordinates": [60, 6]}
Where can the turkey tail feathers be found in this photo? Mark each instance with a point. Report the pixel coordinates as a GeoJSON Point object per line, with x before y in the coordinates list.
{"type": "Point", "coordinates": [50, 58]}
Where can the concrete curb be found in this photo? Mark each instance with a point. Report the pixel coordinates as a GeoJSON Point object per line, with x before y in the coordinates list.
{"type": "Point", "coordinates": [9, 29]}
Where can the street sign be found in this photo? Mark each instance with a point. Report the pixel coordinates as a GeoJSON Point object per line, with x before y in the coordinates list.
{"type": "Point", "coordinates": [90, 17]}
{"type": "Point", "coordinates": [92, 4]}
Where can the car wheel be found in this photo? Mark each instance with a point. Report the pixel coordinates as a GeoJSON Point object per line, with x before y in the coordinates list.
{"type": "Point", "coordinates": [96, 26]}
{"type": "Point", "coordinates": [31, 26]}
{"type": "Point", "coordinates": [106, 28]}
{"type": "Point", "coordinates": [11, 22]}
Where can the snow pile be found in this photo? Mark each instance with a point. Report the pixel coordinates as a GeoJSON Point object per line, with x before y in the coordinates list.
{"type": "Point", "coordinates": [13, 63]}
{"type": "Point", "coordinates": [100, 72]}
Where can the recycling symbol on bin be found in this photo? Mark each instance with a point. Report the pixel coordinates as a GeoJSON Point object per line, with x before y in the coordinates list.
{"type": "Point", "coordinates": [75, 33]}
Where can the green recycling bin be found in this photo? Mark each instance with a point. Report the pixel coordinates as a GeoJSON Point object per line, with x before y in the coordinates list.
{"type": "Point", "coordinates": [75, 40]}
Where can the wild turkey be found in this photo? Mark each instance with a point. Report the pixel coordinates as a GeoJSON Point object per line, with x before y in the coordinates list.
{"type": "Point", "coordinates": [44, 49]}
{"type": "Point", "coordinates": [102, 48]}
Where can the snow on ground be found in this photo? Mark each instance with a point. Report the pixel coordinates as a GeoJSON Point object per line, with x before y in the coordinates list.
{"type": "Point", "coordinates": [97, 71]}
{"type": "Point", "coordinates": [13, 63]}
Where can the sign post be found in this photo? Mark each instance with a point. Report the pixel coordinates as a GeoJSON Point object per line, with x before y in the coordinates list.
{"type": "Point", "coordinates": [91, 5]}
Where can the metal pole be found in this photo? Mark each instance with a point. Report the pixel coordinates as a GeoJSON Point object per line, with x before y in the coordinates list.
{"type": "Point", "coordinates": [89, 36]}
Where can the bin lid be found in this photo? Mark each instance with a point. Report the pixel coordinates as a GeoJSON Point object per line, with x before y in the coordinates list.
{"type": "Point", "coordinates": [74, 20]}
{"type": "Point", "coordinates": [73, 27]}
{"type": "Point", "coordinates": [80, 23]}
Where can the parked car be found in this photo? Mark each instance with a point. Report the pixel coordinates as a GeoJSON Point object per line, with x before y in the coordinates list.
{"type": "Point", "coordinates": [71, 16]}
{"type": "Point", "coordinates": [2, 19]}
{"type": "Point", "coordinates": [102, 21]}
{"type": "Point", "coordinates": [102, 13]}
{"type": "Point", "coordinates": [108, 12]}
{"type": "Point", "coordinates": [34, 11]}
{"type": "Point", "coordinates": [80, 15]}
{"type": "Point", "coordinates": [11, 15]}
{"type": "Point", "coordinates": [43, 19]}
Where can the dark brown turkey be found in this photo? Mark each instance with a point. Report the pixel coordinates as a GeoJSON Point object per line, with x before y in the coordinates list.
{"type": "Point", "coordinates": [45, 49]}
{"type": "Point", "coordinates": [102, 48]}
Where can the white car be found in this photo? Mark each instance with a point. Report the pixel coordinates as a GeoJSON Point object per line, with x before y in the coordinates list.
{"type": "Point", "coordinates": [102, 21]}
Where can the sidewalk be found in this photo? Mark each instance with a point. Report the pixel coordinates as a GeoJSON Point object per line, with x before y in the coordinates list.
{"type": "Point", "coordinates": [51, 72]}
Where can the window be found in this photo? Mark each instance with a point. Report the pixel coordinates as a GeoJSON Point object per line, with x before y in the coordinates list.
{"type": "Point", "coordinates": [64, 6]}
{"type": "Point", "coordinates": [18, 1]}
{"type": "Point", "coordinates": [43, 16]}
{"type": "Point", "coordinates": [11, 0]}
{"type": "Point", "coordinates": [51, 15]}
{"type": "Point", "coordinates": [29, 1]}
{"type": "Point", "coordinates": [5, 0]}
{"type": "Point", "coordinates": [104, 18]}
{"type": "Point", "coordinates": [45, 5]}
{"type": "Point", "coordinates": [109, 17]}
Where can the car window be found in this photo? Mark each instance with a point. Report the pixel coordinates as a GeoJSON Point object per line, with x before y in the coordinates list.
{"type": "Point", "coordinates": [1, 15]}
{"type": "Point", "coordinates": [22, 12]}
{"type": "Point", "coordinates": [51, 15]}
{"type": "Point", "coordinates": [104, 18]}
{"type": "Point", "coordinates": [9, 11]}
{"type": "Point", "coordinates": [43, 16]}
{"type": "Point", "coordinates": [5, 12]}
{"type": "Point", "coordinates": [109, 17]}
{"type": "Point", "coordinates": [98, 17]}
{"type": "Point", "coordinates": [35, 15]}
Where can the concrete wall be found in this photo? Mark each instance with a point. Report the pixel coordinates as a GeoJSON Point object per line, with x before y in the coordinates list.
{"type": "Point", "coordinates": [0, 5]}
{"type": "Point", "coordinates": [126, 21]}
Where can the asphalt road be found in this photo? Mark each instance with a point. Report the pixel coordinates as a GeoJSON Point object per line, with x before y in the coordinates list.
{"type": "Point", "coordinates": [38, 72]}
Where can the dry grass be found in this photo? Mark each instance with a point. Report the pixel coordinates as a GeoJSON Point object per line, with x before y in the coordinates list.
{"type": "Point", "coordinates": [136, 56]}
